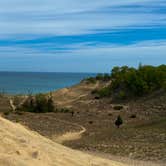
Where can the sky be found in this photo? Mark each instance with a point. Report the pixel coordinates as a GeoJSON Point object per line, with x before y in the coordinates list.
{"type": "Point", "coordinates": [81, 36]}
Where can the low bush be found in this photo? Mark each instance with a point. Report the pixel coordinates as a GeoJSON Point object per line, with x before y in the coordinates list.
{"type": "Point", "coordinates": [133, 116]}
{"type": "Point", "coordinates": [118, 107]}
{"type": "Point", "coordinates": [90, 122]}
{"type": "Point", "coordinates": [38, 104]}
{"type": "Point", "coordinates": [118, 121]}
{"type": "Point", "coordinates": [104, 92]}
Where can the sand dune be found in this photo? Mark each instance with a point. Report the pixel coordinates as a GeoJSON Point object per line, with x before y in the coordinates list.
{"type": "Point", "coordinates": [20, 147]}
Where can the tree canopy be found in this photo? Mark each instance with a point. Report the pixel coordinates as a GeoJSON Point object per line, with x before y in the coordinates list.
{"type": "Point", "coordinates": [128, 81]}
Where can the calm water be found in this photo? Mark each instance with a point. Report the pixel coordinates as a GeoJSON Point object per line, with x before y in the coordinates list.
{"type": "Point", "coordinates": [27, 82]}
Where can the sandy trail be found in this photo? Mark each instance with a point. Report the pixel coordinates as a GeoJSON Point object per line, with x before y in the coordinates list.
{"type": "Point", "coordinates": [22, 147]}
{"type": "Point", "coordinates": [13, 107]}
{"type": "Point", "coordinates": [69, 136]}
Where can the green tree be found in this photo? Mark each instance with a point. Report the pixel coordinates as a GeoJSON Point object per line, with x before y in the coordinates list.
{"type": "Point", "coordinates": [50, 104]}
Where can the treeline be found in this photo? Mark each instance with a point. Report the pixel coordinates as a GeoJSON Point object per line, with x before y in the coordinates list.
{"type": "Point", "coordinates": [128, 81]}
{"type": "Point", "coordinates": [99, 77]}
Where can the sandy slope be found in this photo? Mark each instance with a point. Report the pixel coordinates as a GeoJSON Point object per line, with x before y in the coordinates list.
{"type": "Point", "coordinates": [20, 146]}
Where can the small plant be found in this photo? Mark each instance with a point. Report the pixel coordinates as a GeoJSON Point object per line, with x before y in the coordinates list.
{"type": "Point", "coordinates": [118, 121]}
{"type": "Point", "coordinates": [97, 97]}
{"type": "Point", "coordinates": [118, 107]}
{"type": "Point", "coordinates": [94, 91]}
{"type": "Point", "coordinates": [133, 116]}
{"type": "Point", "coordinates": [122, 95]}
{"type": "Point", "coordinates": [6, 113]}
{"type": "Point", "coordinates": [72, 113]}
{"type": "Point", "coordinates": [109, 114]}
{"type": "Point", "coordinates": [90, 122]}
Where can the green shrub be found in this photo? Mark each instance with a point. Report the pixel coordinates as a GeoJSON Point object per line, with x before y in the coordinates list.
{"type": "Point", "coordinates": [133, 116]}
{"type": "Point", "coordinates": [118, 121]}
{"type": "Point", "coordinates": [118, 107]}
{"type": "Point", "coordinates": [104, 92]}
{"type": "Point", "coordinates": [38, 104]}
{"type": "Point", "coordinates": [122, 95]}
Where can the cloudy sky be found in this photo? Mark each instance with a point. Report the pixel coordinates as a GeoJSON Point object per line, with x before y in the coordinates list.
{"type": "Point", "coordinates": [81, 36]}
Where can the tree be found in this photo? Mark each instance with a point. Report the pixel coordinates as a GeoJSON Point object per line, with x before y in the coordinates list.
{"type": "Point", "coordinates": [50, 104]}
{"type": "Point", "coordinates": [118, 121]}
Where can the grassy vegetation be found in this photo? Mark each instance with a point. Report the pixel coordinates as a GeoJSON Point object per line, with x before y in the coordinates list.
{"type": "Point", "coordinates": [131, 82]}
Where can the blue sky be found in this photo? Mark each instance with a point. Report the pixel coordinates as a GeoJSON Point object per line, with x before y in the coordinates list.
{"type": "Point", "coordinates": [81, 36]}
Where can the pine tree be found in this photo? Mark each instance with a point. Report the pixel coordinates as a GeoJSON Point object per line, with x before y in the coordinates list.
{"type": "Point", "coordinates": [118, 121]}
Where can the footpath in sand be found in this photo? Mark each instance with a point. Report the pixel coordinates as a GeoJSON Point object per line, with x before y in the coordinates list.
{"type": "Point", "coordinates": [22, 147]}
{"type": "Point", "coordinates": [69, 136]}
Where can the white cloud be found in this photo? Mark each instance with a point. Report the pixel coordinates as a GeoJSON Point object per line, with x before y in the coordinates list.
{"type": "Point", "coordinates": [73, 17]}
{"type": "Point", "coordinates": [83, 57]}
{"type": "Point", "coordinates": [39, 19]}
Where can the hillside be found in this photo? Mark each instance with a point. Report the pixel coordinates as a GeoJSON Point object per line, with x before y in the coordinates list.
{"type": "Point", "coordinates": [20, 146]}
{"type": "Point", "coordinates": [141, 138]}
{"type": "Point", "coordinates": [85, 121]}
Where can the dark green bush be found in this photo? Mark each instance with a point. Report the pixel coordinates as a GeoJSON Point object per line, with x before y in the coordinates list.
{"type": "Point", "coordinates": [133, 116]}
{"type": "Point", "coordinates": [118, 107]}
{"type": "Point", "coordinates": [38, 104]}
{"type": "Point", "coordinates": [104, 92]}
{"type": "Point", "coordinates": [118, 121]}
{"type": "Point", "coordinates": [103, 77]}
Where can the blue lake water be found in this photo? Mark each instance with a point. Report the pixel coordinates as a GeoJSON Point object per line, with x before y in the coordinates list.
{"type": "Point", "coordinates": [35, 82]}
